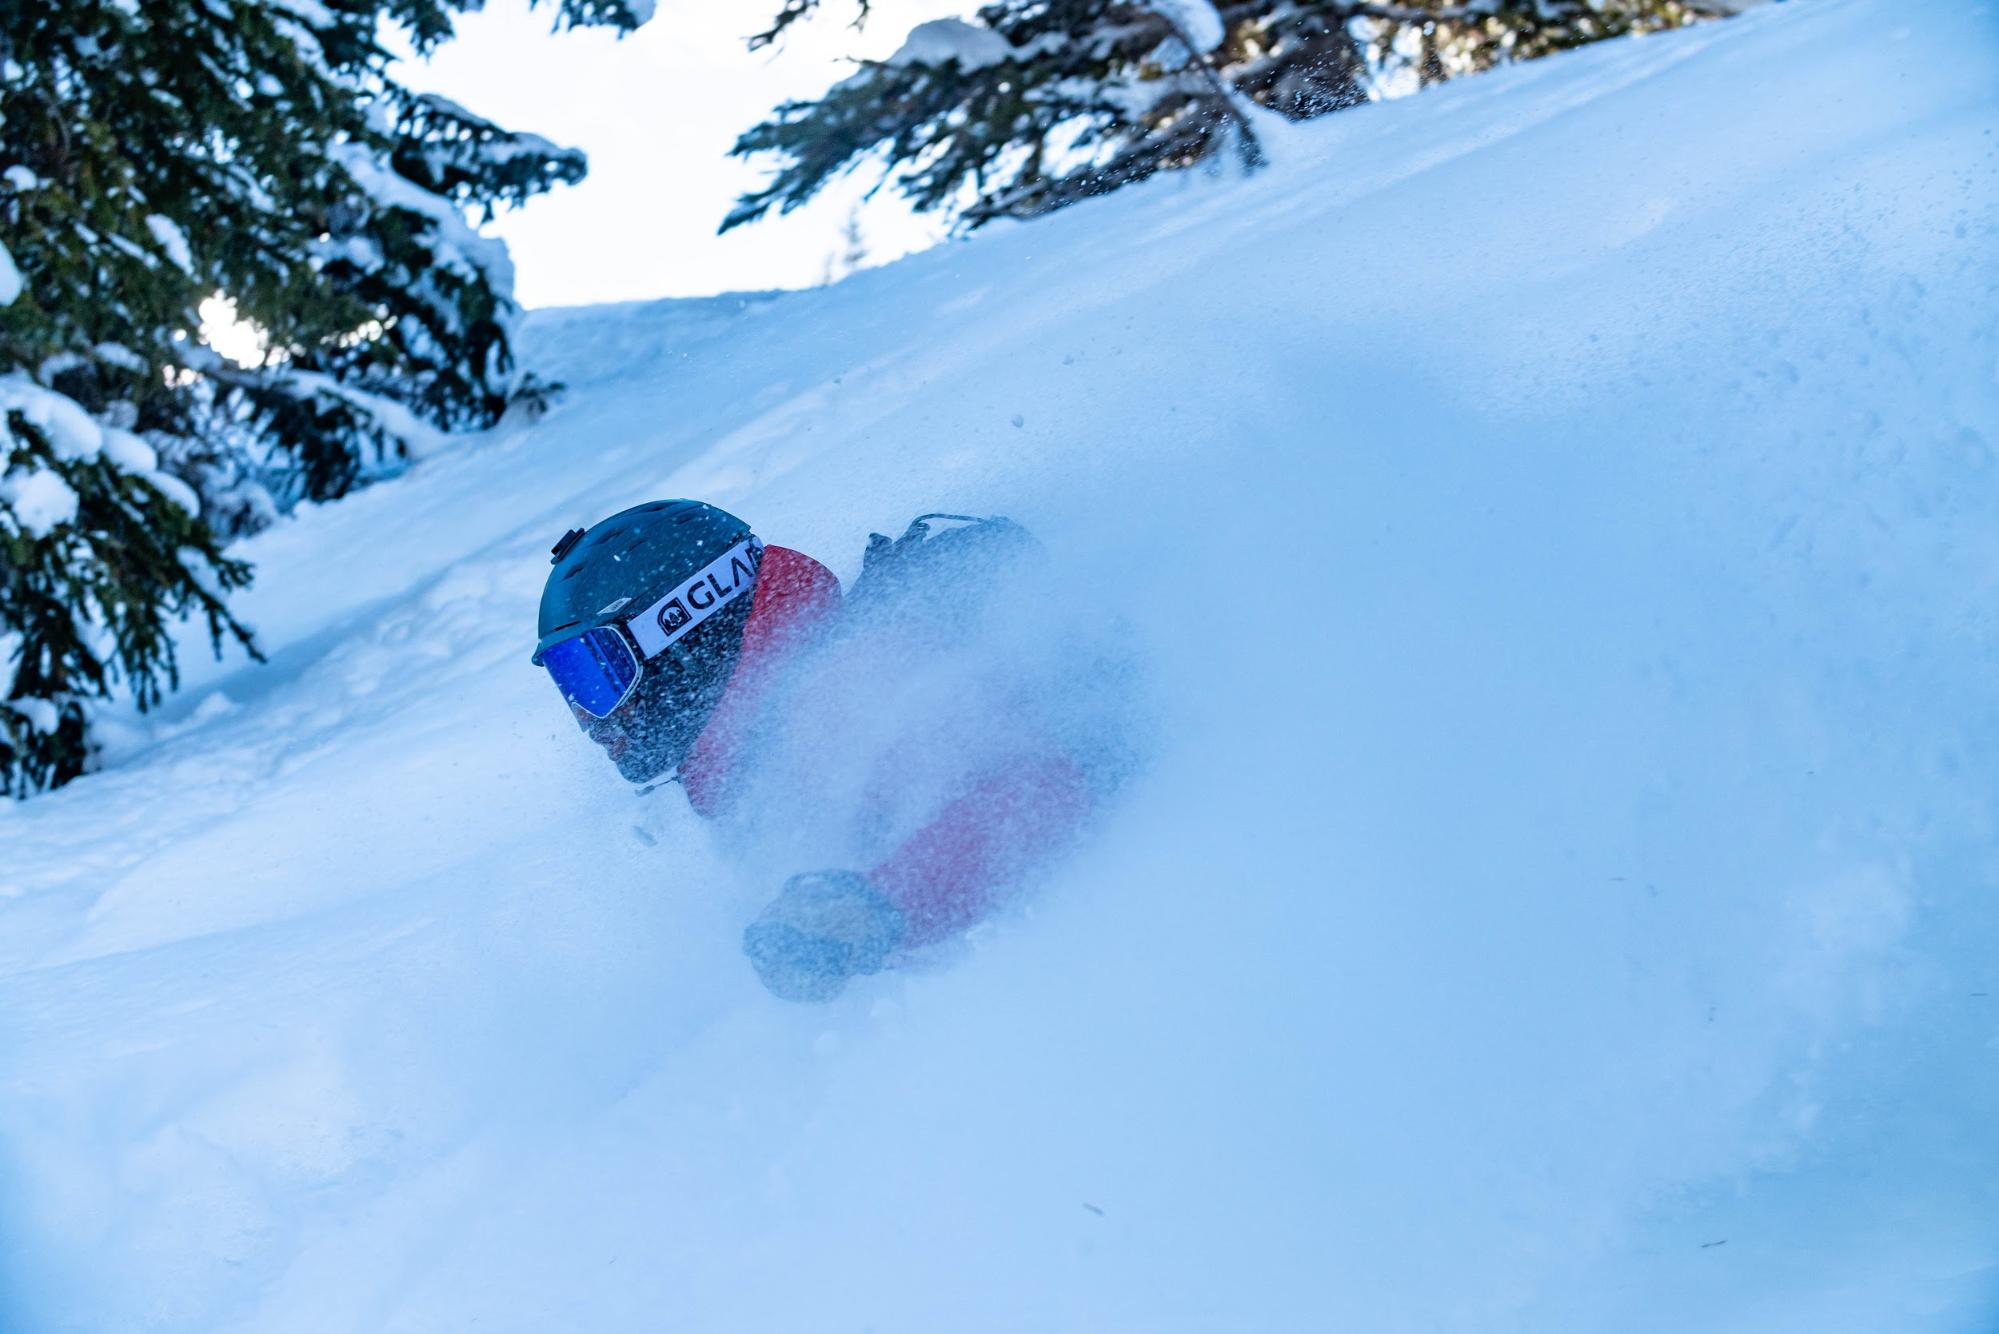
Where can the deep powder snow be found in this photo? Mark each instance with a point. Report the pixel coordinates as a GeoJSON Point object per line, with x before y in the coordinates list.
{"type": "Point", "coordinates": [1558, 510]}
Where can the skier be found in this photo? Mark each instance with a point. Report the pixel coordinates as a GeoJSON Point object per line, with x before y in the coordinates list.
{"type": "Point", "coordinates": [690, 650]}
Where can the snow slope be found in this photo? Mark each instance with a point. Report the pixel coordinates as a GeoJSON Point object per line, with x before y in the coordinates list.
{"type": "Point", "coordinates": [1559, 508]}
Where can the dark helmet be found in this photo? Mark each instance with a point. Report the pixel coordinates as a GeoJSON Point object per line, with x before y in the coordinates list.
{"type": "Point", "coordinates": [641, 624]}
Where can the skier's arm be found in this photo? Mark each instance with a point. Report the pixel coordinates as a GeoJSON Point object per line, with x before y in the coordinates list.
{"type": "Point", "coordinates": [828, 926]}
{"type": "Point", "coordinates": [1011, 824]}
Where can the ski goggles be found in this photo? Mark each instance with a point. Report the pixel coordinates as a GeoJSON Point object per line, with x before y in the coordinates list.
{"type": "Point", "coordinates": [598, 670]}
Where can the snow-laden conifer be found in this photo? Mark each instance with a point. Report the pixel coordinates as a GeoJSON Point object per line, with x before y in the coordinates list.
{"type": "Point", "coordinates": [153, 156]}
{"type": "Point", "coordinates": [1034, 104]}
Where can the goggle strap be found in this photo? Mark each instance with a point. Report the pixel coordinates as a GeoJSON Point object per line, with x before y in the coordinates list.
{"type": "Point", "coordinates": [719, 583]}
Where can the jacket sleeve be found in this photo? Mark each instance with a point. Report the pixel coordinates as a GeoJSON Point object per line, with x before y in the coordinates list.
{"type": "Point", "coordinates": [796, 597]}
{"type": "Point", "coordinates": [1011, 824]}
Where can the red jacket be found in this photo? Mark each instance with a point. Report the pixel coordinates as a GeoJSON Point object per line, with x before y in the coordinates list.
{"type": "Point", "coordinates": [949, 874]}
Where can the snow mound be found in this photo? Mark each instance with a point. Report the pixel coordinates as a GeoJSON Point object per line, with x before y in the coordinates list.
{"type": "Point", "coordinates": [1560, 898]}
{"type": "Point", "coordinates": [942, 40]}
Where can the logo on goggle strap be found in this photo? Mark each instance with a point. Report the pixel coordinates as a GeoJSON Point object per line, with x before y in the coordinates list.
{"type": "Point", "coordinates": [725, 577]}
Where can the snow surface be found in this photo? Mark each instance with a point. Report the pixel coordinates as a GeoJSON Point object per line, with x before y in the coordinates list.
{"type": "Point", "coordinates": [172, 240]}
{"type": "Point", "coordinates": [39, 498]}
{"type": "Point", "coordinates": [942, 40]}
{"type": "Point", "coordinates": [73, 435]}
{"type": "Point", "coordinates": [1197, 20]}
{"type": "Point", "coordinates": [41, 715]}
{"type": "Point", "coordinates": [1559, 508]}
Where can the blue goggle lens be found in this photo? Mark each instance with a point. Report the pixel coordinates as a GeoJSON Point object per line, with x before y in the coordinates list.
{"type": "Point", "coordinates": [594, 671]}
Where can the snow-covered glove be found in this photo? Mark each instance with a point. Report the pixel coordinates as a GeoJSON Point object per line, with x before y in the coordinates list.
{"type": "Point", "coordinates": [826, 927]}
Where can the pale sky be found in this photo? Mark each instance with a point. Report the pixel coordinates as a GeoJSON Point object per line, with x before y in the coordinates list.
{"type": "Point", "coordinates": [657, 113]}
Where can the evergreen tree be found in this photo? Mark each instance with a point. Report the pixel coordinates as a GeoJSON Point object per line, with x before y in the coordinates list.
{"type": "Point", "coordinates": [852, 253]}
{"type": "Point", "coordinates": [1039, 103]}
{"type": "Point", "coordinates": [152, 155]}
